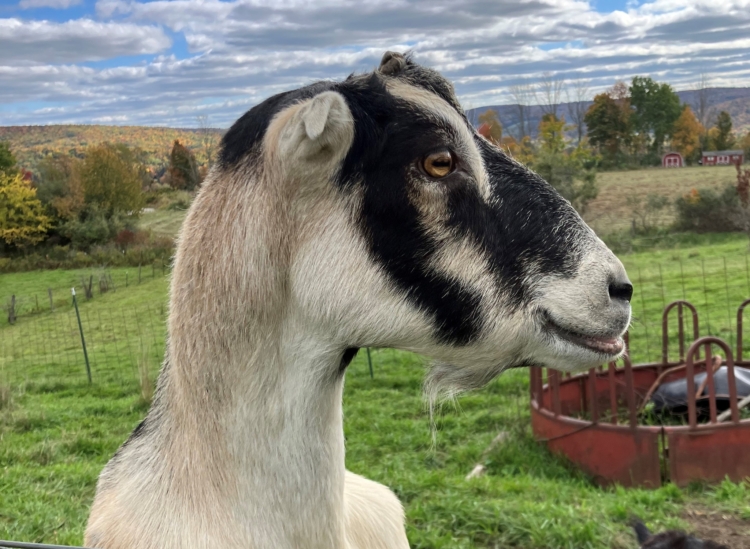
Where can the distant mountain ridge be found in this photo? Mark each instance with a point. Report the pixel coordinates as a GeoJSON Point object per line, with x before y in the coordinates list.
{"type": "Point", "coordinates": [32, 143]}
{"type": "Point", "coordinates": [736, 101]}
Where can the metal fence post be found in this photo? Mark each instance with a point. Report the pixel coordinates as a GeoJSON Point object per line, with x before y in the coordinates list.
{"type": "Point", "coordinates": [369, 363]}
{"type": "Point", "coordinates": [83, 340]}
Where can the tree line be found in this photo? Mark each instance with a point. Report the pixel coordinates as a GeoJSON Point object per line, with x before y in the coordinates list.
{"type": "Point", "coordinates": [86, 201]}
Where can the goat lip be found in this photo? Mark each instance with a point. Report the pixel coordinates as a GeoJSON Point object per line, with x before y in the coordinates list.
{"type": "Point", "coordinates": [603, 345]}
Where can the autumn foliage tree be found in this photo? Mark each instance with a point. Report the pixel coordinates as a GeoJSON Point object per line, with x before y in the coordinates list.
{"type": "Point", "coordinates": [112, 180]}
{"type": "Point", "coordinates": [183, 169]}
{"type": "Point", "coordinates": [494, 127]}
{"type": "Point", "coordinates": [60, 187]}
{"type": "Point", "coordinates": [608, 126]}
{"type": "Point", "coordinates": [23, 221]}
{"type": "Point", "coordinates": [686, 135]}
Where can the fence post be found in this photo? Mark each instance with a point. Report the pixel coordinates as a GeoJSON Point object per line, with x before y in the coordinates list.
{"type": "Point", "coordinates": [12, 310]}
{"type": "Point", "coordinates": [369, 363]}
{"type": "Point", "coordinates": [51, 304]}
{"type": "Point", "coordinates": [83, 340]}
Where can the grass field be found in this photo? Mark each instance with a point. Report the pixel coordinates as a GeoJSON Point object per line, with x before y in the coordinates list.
{"type": "Point", "coordinates": [610, 211]}
{"type": "Point", "coordinates": [56, 431]}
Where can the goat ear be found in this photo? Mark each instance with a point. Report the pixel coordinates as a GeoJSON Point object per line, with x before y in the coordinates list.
{"type": "Point", "coordinates": [321, 128]}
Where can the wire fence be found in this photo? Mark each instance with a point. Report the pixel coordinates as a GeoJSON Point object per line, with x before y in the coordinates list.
{"type": "Point", "coordinates": [22, 302]}
{"type": "Point", "coordinates": [716, 287]}
{"type": "Point", "coordinates": [125, 346]}
{"type": "Point", "coordinates": [122, 347]}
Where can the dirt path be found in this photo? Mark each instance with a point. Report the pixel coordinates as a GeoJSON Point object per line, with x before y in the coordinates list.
{"type": "Point", "coordinates": [719, 527]}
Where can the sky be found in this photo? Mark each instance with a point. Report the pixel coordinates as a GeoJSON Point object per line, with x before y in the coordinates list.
{"type": "Point", "coordinates": [171, 63]}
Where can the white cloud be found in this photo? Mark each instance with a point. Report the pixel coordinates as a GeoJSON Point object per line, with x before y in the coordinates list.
{"type": "Point", "coordinates": [242, 51]}
{"type": "Point", "coordinates": [57, 4]}
{"type": "Point", "coordinates": [76, 41]}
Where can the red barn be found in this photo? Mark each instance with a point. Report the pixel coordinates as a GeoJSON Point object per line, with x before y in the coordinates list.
{"type": "Point", "coordinates": [672, 160]}
{"type": "Point", "coordinates": [722, 158]}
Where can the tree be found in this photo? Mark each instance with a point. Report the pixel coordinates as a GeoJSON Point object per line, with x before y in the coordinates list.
{"type": "Point", "coordinates": [686, 135]}
{"type": "Point", "coordinates": [722, 137]}
{"type": "Point", "coordinates": [702, 100]}
{"type": "Point", "coordinates": [207, 139]}
{"type": "Point", "coordinates": [522, 96]}
{"type": "Point", "coordinates": [490, 118]}
{"type": "Point", "coordinates": [745, 144]}
{"type": "Point", "coordinates": [656, 107]}
{"type": "Point", "coordinates": [577, 105]}
{"type": "Point", "coordinates": [548, 92]}
{"type": "Point", "coordinates": [22, 218]}
{"type": "Point", "coordinates": [7, 159]}
{"type": "Point", "coordinates": [60, 187]}
{"type": "Point", "coordinates": [570, 173]}
{"type": "Point", "coordinates": [183, 168]}
{"type": "Point", "coordinates": [552, 133]}
{"type": "Point", "coordinates": [608, 126]}
{"type": "Point", "coordinates": [112, 179]}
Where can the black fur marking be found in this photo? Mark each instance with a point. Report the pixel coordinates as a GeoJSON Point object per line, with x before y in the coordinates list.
{"type": "Point", "coordinates": [520, 231]}
{"type": "Point", "coordinates": [347, 358]}
{"type": "Point", "coordinates": [527, 224]}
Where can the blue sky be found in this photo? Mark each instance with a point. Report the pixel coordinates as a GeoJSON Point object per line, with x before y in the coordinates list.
{"type": "Point", "coordinates": [166, 62]}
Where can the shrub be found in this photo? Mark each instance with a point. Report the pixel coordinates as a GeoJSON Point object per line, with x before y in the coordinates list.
{"type": "Point", "coordinates": [705, 211]}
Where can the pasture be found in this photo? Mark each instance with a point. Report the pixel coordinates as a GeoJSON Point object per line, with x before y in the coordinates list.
{"type": "Point", "coordinates": [610, 211]}
{"type": "Point", "coordinates": [56, 431]}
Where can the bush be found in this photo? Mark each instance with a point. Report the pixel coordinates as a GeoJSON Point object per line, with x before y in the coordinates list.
{"type": "Point", "coordinates": [156, 250]}
{"type": "Point", "coordinates": [94, 226]}
{"type": "Point", "coordinates": [708, 211]}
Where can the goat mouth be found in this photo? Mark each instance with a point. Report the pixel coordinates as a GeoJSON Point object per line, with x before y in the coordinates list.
{"type": "Point", "coordinates": [608, 346]}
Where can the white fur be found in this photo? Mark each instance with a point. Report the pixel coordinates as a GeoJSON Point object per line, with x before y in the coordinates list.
{"type": "Point", "coordinates": [272, 282]}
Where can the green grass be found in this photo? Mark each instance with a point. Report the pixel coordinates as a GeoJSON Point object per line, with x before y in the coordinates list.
{"type": "Point", "coordinates": [57, 432]}
{"type": "Point", "coordinates": [162, 222]}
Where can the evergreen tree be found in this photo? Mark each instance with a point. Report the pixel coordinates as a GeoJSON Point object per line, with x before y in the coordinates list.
{"type": "Point", "coordinates": [722, 137]}
{"type": "Point", "coordinates": [7, 159]}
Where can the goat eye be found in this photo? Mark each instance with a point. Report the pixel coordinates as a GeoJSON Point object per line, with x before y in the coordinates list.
{"type": "Point", "coordinates": [439, 164]}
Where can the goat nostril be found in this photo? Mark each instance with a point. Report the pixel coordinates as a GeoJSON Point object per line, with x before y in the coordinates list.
{"type": "Point", "coordinates": [621, 290]}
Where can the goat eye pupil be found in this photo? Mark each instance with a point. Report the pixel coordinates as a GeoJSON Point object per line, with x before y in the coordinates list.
{"type": "Point", "coordinates": [438, 164]}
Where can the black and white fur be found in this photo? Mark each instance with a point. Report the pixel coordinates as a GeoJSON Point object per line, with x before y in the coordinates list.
{"type": "Point", "coordinates": [320, 232]}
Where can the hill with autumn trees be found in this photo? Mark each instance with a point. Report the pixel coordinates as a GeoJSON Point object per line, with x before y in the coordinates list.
{"type": "Point", "coordinates": [31, 144]}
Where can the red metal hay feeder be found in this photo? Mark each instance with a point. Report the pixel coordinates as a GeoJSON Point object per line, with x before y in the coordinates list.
{"type": "Point", "coordinates": [592, 418]}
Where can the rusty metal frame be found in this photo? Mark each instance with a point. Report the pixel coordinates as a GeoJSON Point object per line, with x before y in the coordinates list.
{"type": "Point", "coordinates": [24, 545]}
{"type": "Point", "coordinates": [616, 449]}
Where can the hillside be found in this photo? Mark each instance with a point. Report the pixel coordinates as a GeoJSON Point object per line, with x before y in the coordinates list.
{"type": "Point", "coordinates": [736, 101]}
{"type": "Point", "coordinates": [32, 143]}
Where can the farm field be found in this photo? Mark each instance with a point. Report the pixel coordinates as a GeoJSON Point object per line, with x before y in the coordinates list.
{"type": "Point", "coordinates": [56, 431]}
{"type": "Point", "coordinates": [609, 212]}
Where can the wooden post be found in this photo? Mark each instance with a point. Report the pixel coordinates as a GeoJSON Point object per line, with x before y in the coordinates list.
{"type": "Point", "coordinates": [12, 310]}
{"type": "Point", "coordinates": [51, 303]}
